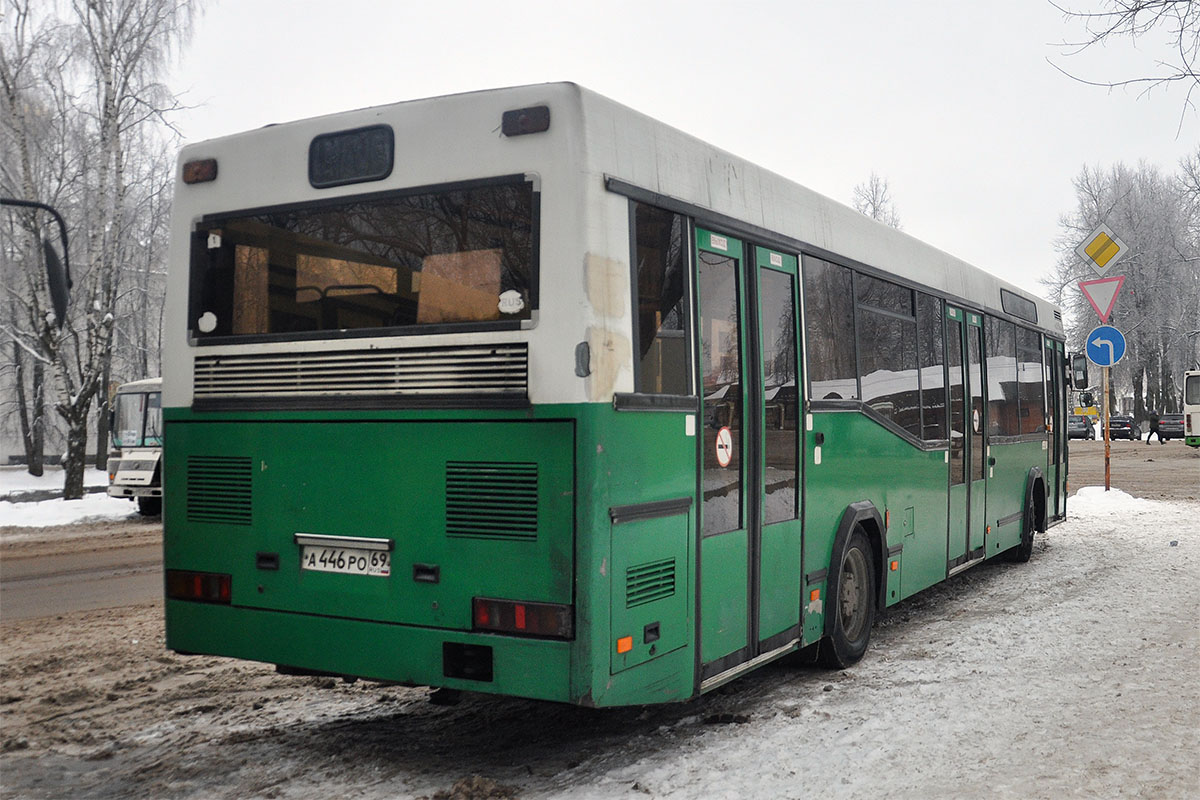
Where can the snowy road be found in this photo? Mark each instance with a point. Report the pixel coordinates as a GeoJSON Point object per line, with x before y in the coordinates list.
{"type": "Point", "coordinates": [1075, 675]}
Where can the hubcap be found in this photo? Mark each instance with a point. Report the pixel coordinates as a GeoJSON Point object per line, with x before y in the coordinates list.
{"type": "Point", "coordinates": [854, 593]}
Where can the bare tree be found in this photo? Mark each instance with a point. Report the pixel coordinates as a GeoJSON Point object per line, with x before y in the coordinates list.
{"type": "Point", "coordinates": [103, 162]}
{"type": "Point", "coordinates": [1159, 303]}
{"type": "Point", "coordinates": [1135, 20]}
{"type": "Point", "coordinates": [874, 198]}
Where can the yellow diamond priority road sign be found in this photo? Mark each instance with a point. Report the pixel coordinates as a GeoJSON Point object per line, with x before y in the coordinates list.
{"type": "Point", "coordinates": [1101, 250]}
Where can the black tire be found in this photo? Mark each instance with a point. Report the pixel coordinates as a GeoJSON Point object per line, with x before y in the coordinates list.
{"type": "Point", "coordinates": [149, 506]}
{"type": "Point", "coordinates": [1024, 551]}
{"type": "Point", "coordinates": [852, 602]}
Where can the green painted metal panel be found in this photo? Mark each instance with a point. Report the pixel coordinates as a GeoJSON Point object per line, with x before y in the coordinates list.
{"type": "Point", "coordinates": [863, 460]}
{"type": "Point", "coordinates": [524, 667]}
{"type": "Point", "coordinates": [779, 598]}
{"type": "Point", "coordinates": [386, 480]}
{"type": "Point", "coordinates": [773, 259]}
{"type": "Point", "coordinates": [718, 243]}
{"type": "Point", "coordinates": [650, 588]}
{"type": "Point", "coordinates": [723, 608]}
{"type": "Point", "coordinates": [1007, 481]}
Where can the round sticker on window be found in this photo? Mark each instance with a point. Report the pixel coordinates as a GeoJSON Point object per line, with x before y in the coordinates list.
{"type": "Point", "coordinates": [977, 421]}
{"type": "Point", "coordinates": [511, 302]}
{"type": "Point", "coordinates": [207, 322]}
{"type": "Point", "coordinates": [724, 447]}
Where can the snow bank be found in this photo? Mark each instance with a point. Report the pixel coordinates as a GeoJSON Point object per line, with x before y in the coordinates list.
{"type": "Point", "coordinates": [42, 514]}
{"type": "Point", "coordinates": [18, 479]}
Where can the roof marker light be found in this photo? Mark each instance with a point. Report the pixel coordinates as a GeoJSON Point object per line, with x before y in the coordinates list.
{"type": "Point", "coordinates": [201, 171]}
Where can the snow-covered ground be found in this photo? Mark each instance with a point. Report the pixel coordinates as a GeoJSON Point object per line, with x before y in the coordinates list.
{"type": "Point", "coordinates": [92, 507]}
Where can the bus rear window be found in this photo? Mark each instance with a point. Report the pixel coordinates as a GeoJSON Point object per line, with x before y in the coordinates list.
{"type": "Point", "coordinates": [458, 256]}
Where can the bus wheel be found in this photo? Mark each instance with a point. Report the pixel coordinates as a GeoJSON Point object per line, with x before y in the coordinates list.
{"type": "Point", "coordinates": [852, 602]}
{"type": "Point", "coordinates": [1024, 551]}
{"type": "Point", "coordinates": [149, 506]}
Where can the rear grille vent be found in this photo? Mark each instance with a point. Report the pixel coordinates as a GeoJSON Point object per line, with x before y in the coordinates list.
{"type": "Point", "coordinates": [478, 372]}
{"type": "Point", "coordinates": [492, 500]}
{"type": "Point", "coordinates": [218, 489]}
{"type": "Point", "coordinates": [648, 582]}
{"type": "Point", "coordinates": [1058, 315]}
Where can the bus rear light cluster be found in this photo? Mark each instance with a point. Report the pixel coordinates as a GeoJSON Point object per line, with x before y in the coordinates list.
{"type": "Point", "coordinates": [524, 619]}
{"type": "Point", "coordinates": [203, 587]}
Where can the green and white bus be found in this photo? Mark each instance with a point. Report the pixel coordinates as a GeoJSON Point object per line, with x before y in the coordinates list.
{"type": "Point", "coordinates": [524, 392]}
{"type": "Point", "coordinates": [1191, 408]}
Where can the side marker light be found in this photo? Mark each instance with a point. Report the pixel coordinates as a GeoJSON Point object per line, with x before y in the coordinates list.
{"type": "Point", "coordinates": [814, 595]}
{"type": "Point", "coordinates": [895, 566]}
{"type": "Point", "coordinates": [624, 644]}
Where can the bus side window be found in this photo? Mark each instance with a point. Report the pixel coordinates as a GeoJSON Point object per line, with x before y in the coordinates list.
{"type": "Point", "coordinates": [660, 324]}
{"type": "Point", "coordinates": [829, 330]}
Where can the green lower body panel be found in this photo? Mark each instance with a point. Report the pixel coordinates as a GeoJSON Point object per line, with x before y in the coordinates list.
{"type": "Point", "coordinates": [524, 667]}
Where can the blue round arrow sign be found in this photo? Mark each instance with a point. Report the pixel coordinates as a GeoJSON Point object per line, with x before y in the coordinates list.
{"type": "Point", "coordinates": [1105, 345]}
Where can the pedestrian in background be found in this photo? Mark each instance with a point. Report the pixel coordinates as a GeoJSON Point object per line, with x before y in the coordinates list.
{"type": "Point", "coordinates": [1154, 429]}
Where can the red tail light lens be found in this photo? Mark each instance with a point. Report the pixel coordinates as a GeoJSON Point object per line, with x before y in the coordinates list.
{"type": "Point", "coordinates": [203, 587]}
{"type": "Point", "coordinates": [523, 619]}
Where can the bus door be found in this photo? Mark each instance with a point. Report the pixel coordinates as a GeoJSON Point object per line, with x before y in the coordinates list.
{"type": "Point", "coordinates": [1053, 425]}
{"type": "Point", "coordinates": [960, 415]}
{"type": "Point", "coordinates": [977, 455]}
{"type": "Point", "coordinates": [779, 569]}
{"type": "Point", "coordinates": [748, 593]}
{"type": "Point", "coordinates": [723, 592]}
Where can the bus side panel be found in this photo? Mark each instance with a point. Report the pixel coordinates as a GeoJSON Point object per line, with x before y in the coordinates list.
{"type": "Point", "coordinates": [638, 573]}
{"type": "Point", "coordinates": [1006, 487]}
{"type": "Point", "coordinates": [862, 460]}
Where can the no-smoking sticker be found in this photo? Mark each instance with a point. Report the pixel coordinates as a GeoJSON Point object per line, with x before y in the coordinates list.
{"type": "Point", "coordinates": [724, 447]}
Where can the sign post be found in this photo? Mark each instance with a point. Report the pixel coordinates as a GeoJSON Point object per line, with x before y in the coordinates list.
{"type": "Point", "coordinates": [1105, 347]}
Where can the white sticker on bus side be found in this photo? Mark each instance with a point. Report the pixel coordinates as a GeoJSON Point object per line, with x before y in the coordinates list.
{"type": "Point", "coordinates": [817, 454]}
{"type": "Point", "coordinates": [718, 242]}
{"type": "Point", "coordinates": [776, 260]}
{"type": "Point", "coordinates": [689, 425]}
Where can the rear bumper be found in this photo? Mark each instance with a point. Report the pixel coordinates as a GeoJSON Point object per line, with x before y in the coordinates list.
{"type": "Point", "coordinates": [131, 492]}
{"type": "Point", "coordinates": [534, 668]}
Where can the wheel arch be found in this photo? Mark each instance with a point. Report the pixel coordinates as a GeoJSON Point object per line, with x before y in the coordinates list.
{"type": "Point", "coordinates": [1035, 493]}
{"type": "Point", "coordinates": [864, 514]}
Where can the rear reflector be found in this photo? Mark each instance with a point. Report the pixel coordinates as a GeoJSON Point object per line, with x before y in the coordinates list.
{"type": "Point", "coordinates": [523, 619]}
{"type": "Point", "coordinates": [203, 587]}
{"type": "Point", "coordinates": [201, 171]}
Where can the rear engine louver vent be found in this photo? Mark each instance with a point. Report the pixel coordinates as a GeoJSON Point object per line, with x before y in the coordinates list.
{"type": "Point", "coordinates": [218, 489]}
{"type": "Point", "coordinates": [476, 372]}
{"type": "Point", "coordinates": [648, 582]}
{"type": "Point", "coordinates": [492, 500]}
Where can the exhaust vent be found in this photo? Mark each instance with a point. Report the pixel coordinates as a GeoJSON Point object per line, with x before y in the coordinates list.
{"type": "Point", "coordinates": [648, 582]}
{"type": "Point", "coordinates": [492, 500]}
{"type": "Point", "coordinates": [478, 373]}
{"type": "Point", "coordinates": [218, 489]}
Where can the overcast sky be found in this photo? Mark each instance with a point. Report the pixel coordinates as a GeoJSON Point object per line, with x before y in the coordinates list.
{"type": "Point", "coordinates": [953, 102]}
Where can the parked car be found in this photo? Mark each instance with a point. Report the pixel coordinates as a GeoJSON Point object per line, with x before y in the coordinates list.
{"type": "Point", "coordinates": [1123, 427]}
{"type": "Point", "coordinates": [1079, 426]}
{"type": "Point", "coordinates": [1170, 426]}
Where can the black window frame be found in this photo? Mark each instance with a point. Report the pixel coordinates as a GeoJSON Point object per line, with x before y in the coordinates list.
{"type": "Point", "coordinates": [195, 278]}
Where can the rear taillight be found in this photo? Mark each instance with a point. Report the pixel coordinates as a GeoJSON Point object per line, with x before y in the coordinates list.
{"type": "Point", "coordinates": [523, 619]}
{"type": "Point", "coordinates": [203, 587]}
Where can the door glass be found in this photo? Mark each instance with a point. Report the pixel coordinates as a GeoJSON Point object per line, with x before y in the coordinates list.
{"type": "Point", "coordinates": [974, 351]}
{"type": "Point", "coordinates": [721, 380]}
{"type": "Point", "coordinates": [958, 427]}
{"type": "Point", "coordinates": [780, 396]}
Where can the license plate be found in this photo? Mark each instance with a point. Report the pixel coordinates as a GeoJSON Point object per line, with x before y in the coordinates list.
{"type": "Point", "coordinates": [347, 560]}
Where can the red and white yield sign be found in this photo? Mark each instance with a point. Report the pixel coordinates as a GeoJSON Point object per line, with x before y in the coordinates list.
{"type": "Point", "coordinates": [1102, 294]}
{"type": "Point", "coordinates": [724, 447]}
